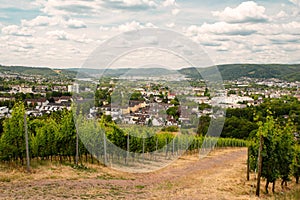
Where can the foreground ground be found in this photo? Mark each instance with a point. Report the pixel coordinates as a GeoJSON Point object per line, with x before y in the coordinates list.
{"type": "Point", "coordinates": [221, 175]}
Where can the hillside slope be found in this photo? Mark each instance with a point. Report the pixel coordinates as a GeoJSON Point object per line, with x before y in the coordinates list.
{"type": "Point", "coordinates": [228, 72]}
{"type": "Point", "coordinates": [235, 71]}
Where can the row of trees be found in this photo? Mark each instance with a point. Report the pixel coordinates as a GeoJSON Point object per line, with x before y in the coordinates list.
{"type": "Point", "coordinates": [53, 137]}
{"type": "Point", "coordinates": [48, 137]}
{"type": "Point", "coordinates": [279, 152]}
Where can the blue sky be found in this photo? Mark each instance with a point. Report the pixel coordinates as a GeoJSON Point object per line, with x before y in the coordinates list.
{"type": "Point", "coordinates": [63, 33]}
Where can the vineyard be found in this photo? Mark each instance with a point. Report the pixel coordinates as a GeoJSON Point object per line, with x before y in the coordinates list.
{"type": "Point", "coordinates": [133, 147]}
{"type": "Point", "coordinates": [62, 137]}
{"type": "Point", "coordinates": [274, 153]}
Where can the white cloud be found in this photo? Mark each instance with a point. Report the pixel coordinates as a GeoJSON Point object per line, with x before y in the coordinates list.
{"type": "Point", "coordinates": [285, 38]}
{"type": "Point", "coordinates": [170, 25]}
{"type": "Point", "coordinates": [175, 11]}
{"type": "Point", "coordinates": [17, 30]}
{"type": "Point", "coordinates": [70, 7]}
{"type": "Point", "coordinates": [24, 4]}
{"type": "Point", "coordinates": [63, 23]}
{"type": "Point", "coordinates": [63, 35]}
{"type": "Point", "coordinates": [130, 4]}
{"type": "Point", "coordinates": [72, 23]}
{"type": "Point", "coordinates": [134, 25]}
{"type": "Point", "coordinates": [137, 2]}
{"type": "Point", "coordinates": [168, 3]}
{"type": "Point", "coordinates": [92, 7]}
{"type": "Point", "coordinates": [220, 28]}
{"type": "Point", "coordinates": [53, 21]}
{"type": "Point", "coordinates": [59, 35]}
{"type": "Point", "coordinates": [281, 14]}
{"type": "Point", "coordinates": [28, 45]}
{"type": "Point", "coordinates": [128, 26]}
{"type": "Point", "coordinates": [150, 25]}
{"type": "Point", "coordinates": [149, 58]}
{"type": "Point", "coordinates": [247, 11]}
{"type": "Point", "coordinates": [19, 46]}
{"type": "Point", "coordinates": [291, 28]}
{"type": "Point", "coordinates": [40, 21]}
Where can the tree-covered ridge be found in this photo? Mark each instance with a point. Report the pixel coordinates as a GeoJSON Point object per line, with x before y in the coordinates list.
{"type": "Point", "coordinates": [284, 72]}
{"type": "Point", "coordinates": [288, 72]}
{"type": "Point", "coordinates": [37, 71]}
{"type": "Point", "coordinates": [264, 71]}
{"type": "Point", "coordinates": [43, 71]}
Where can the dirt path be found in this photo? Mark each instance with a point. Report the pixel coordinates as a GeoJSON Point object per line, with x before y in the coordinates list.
{"type": "Point", "coordinates": [221, 175]}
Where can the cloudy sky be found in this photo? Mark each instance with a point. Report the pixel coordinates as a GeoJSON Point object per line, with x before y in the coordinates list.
{"type": "Point", "coordinates": [63, 33]}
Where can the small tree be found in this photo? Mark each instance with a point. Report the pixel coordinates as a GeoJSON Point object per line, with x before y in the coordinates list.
{"type": "Point", "coordinates": [296, 163]}
{"type": "Point", "coordinates": [270, 152]}
{"type": "Point", "coordinates": [66, 136]}
{"type": "Point", "coordinates": [277, 151]}
{"type": "Point", "coordinates": [285, 152]}
{"type": "Point", "coordinates": [13, 140]}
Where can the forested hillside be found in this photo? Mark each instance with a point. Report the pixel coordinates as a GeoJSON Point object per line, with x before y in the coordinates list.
{"type": "Point", "coordinates": [228, 72]}
{"type": "Point", "coordinates": [235, 71]}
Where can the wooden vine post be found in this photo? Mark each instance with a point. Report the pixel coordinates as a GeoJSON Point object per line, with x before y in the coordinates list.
{"type": "Point", "coordinates": [26, 143]}
{"type": "Point", "coordinates": [259, 164]}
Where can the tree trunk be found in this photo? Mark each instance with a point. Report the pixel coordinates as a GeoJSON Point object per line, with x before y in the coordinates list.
{"type": "Point", "coordinates": [259, 165]}
{"type": "Point", "coordinates": [26, 144]}
{"type": "Point", "coordinates": [273, 188]}
{"type": "Point", "coordinates": [167, 147]}
{"type": "Point", "coordinates": [267, 186]}
{"type": "Point", "coordinates": [77, 149]}
{"type": "Point", "coordinates": [284, 182]}
{"type": "Point", "coordinates": [248, 165]}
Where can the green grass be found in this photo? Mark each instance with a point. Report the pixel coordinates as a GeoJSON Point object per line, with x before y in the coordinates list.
{"type": "Point", "coordinates": [80, 167]}
{"type": "Point", "coordinates": [292, 195]}
{"type": "Point", "coordinates": [5, 179]}
{"type": "Point", "coordinates": [111, 177]}
{"type": "Point", "coordinates": [140, 186]}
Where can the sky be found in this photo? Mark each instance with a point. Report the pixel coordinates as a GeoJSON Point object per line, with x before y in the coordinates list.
{"type": "Point", "coordinates": [64, 33]}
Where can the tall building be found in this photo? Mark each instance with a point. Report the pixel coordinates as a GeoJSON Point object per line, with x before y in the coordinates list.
{"type": "Point", "coordinates": [73, 88]}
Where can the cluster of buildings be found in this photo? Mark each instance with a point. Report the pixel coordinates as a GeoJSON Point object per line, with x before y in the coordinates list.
{"type": "Point", "coordinates": [156, 100]}
{"type": "Point", "coordinates": [34, 89]}
{"type": "Point", "coordinates": [238, 94]}
{"type": "Point", "coordinates": [41, 106]}
{"type": "Point", "coordinates": [140, 112]}
{"type": "Point", "coordinates": [42, 89]}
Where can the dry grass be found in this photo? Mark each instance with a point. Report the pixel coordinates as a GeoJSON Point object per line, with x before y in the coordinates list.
{"type": "Point", "coordinates": [221, 175]}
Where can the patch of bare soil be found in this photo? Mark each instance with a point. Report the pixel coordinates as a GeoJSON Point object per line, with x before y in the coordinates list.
{"type": "Point", "coordinates": [221, 175]}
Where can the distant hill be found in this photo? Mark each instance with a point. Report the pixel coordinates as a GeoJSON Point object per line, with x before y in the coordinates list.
{"type": "Point", "coordinates": [228, 72]}
{"type": "Point", "coordinates": [235, 71]}
{"type": "Point", "coordinates": [29, 70]}
{"type": "Point", "coordinates": [41, 71]}
{"type": "Point", "coordinates": [123, 72]}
